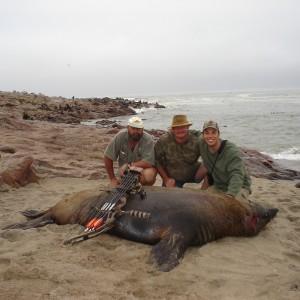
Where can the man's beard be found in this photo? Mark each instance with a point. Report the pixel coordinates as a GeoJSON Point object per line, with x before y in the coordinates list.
{"type": "Point", "coordinates": [135, 137]}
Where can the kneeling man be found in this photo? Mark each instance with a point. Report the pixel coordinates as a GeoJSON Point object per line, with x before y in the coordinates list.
{"type": "Point", "coordinates": [131, 147]}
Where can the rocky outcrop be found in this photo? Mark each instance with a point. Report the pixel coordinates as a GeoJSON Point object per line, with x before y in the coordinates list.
{"type": "Point", "coordinates": [263, 166]}
{"type": "Point", "coordinates": [17, 170]}
{"type": "Point", "coordinates": [70, 111]}
{"type": "Point", "coordinates": [33, 150]}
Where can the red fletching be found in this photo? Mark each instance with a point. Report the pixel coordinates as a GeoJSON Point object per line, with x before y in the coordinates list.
{"type": "Point", "coordinates": [90, 224]}
{"type": "Point", "coordinates": [98, 223]}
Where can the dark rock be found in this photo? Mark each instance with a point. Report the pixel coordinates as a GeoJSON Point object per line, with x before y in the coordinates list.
{"type": "Point", "coordinates": [262, 166]}
{"type": "Point", "coordinates": [26, 116]}
{"type": "Point", "coordinates": [156, 133]}
{"type": "Point", "coordinates": [158, 105]}
{"type": "Point", "coordinates": [7, 149]}
{"type": "Point", "coordinates": [107, 123]}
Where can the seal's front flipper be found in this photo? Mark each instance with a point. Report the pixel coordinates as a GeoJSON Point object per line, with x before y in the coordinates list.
{"type": "Point", "coordinates": [169, 251]}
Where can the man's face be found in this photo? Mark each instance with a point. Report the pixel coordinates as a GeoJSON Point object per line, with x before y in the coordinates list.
{"type": "Point", "coordinates": [135, 133]}
{"type": "Point", "coordinates": [211, 136]}
{"type": "Point", "coordinates": [180, 131]}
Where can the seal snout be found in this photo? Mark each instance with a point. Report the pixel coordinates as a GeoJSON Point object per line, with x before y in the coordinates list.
{"type": "Point", "coordinates": [270, 214]}
{"type": "Point", "coordinates": [259, 219]}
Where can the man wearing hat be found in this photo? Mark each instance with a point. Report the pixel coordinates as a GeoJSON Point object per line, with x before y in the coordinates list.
{"type": "Point", "coordinates": [131, 147]}
{"type": "Point", "coordinates": [224, 163]}
{"type": "Point", "coordinates": [177, 153]}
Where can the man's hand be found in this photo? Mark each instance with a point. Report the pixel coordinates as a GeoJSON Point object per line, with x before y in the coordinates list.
{"type": "Point", "coordinates": [170, 182]}
{"type": "Point", "coordinates": [122, 169]}
{"type": "Point", "coordinates": [115, 181]}
{"type": "Point", "coordinates": [205, 184]}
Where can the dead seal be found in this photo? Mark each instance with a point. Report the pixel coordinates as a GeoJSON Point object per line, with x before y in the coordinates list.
{"type": "Point", "coordinates": [179, 218]}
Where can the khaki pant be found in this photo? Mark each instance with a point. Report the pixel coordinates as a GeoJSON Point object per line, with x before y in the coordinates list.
{"type": "Point", "coordinates": [243, 194]}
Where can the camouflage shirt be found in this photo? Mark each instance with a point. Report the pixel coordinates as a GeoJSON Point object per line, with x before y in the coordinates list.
{"type": "Point", "coordinates": [179, 161]}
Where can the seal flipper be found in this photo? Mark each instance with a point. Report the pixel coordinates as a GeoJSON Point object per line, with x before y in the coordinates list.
{"type": "Point", "coordinates": [169, 251]}
{"type": "Point", "coordinates": [39, 222]}
{"type": "Point", "coordinates": [33, 214]}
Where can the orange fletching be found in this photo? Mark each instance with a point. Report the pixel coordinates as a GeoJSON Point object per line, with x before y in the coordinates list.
{"type": "Point", "coordinates": [90, 224]}
{"type": "Point", "coordinates": [98, 223]}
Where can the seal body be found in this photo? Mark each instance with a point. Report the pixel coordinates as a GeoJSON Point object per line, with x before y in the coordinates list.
{"type": "Point", "coordinates": [179, 218]}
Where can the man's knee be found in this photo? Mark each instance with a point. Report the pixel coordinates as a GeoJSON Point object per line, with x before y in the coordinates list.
{"type": "Point", "coordinates": [149, 176]}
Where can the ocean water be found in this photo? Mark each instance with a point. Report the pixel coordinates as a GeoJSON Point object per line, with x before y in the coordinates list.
{"type": "Point", "coordinates": [268, 121]}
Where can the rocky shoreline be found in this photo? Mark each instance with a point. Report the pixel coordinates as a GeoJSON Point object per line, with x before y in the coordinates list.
{"type": "Point", "coordinates": [30, 106]}
{"type": "Point", "coordinates": [42, 137]}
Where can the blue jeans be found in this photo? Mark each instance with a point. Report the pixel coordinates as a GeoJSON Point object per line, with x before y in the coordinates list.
{"type": "Point", "coordinates": [180, 184]}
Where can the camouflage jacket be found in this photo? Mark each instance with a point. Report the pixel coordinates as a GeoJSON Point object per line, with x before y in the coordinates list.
{"type": "Point", "coordinates": [179, 161]}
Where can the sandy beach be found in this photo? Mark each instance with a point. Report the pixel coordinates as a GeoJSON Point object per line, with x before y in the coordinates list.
{"type": "Point", "coordinates": [34, 264]}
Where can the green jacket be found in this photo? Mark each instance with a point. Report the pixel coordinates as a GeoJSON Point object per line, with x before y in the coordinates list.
{"type": "Point", "coordinates": [229, 174]}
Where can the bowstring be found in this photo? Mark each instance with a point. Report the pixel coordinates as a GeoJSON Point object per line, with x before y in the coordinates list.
{"type": "Point", "coordinates": [101, 209]}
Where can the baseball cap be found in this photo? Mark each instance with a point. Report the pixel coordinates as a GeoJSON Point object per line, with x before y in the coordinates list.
{"type": "Point", "coordinates": [211, 124]}
{"type": "Point", "coordinates": [135, 122]}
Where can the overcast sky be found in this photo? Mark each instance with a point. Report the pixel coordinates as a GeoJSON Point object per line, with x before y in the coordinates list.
{"type": "Point", "coordinates": [98, 48]}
